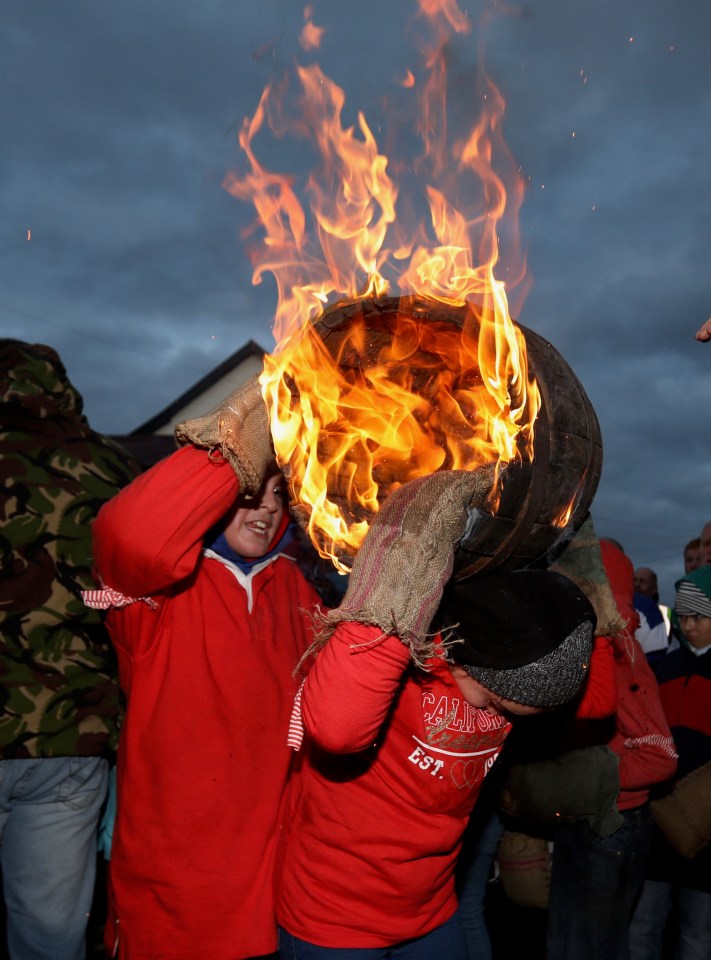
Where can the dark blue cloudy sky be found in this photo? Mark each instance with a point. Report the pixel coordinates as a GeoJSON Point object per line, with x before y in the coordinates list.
{"type": "Point", "coordinates": [118, 125]}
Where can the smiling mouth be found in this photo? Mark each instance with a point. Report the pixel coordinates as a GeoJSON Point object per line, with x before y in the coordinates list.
{"type": "Point", "coordinates": [258, 527]}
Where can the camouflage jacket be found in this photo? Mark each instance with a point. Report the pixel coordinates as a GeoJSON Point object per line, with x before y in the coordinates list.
{"type": "Point", "coordinates": [59, 693]}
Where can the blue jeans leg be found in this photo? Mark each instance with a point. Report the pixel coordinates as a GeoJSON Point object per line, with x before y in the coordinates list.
{"type": "Point", "coordinates": [49, 811]}
{"type": "Point", "coordinates": [694, 935]}
{"type": "Point", "coordinates": [473, 872]}
{"type": "Point", "coordinates": [649, 920]}
{"type": "Point", "coordinates": [595, 883]}
{"type": "Point", "coordinates": [445, 942]}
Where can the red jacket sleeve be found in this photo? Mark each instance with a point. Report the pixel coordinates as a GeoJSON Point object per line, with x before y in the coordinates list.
{"type": "Point", "coordinates": [599, 694]}
{"type": "Point", "coordinates": [643, 739]}
{"type": "Point", "coordinates": [351, 686]}
{"type": "Point", "coordinates": [149, 536]}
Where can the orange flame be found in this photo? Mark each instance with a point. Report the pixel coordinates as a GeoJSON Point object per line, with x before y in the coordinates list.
{"type": "Point", "coordinates": [311, 35]}
{"type": "Point", "coordinates": [569, 509]}
{"type": "Point", "coordinates": [399, 391]}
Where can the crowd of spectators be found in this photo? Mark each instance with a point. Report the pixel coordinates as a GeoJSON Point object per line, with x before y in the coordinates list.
{"type": "Point", "coordinates": [182, 608]}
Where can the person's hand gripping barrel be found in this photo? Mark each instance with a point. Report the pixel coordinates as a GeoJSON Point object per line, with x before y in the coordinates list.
{"type": "Point", "coordinates": [407, 556]}
{"type": "Point", "coordinates": [239, 428]}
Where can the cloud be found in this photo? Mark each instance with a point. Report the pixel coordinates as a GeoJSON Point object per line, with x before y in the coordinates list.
{"type": "Point", "coordinates": [120, 122]}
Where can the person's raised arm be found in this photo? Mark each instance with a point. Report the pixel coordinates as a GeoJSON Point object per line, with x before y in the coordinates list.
{"type": "Point", "coordinates": [394, 590]}
{"type": "Point", "coordinates": [150, 535]}
{"type": "Point", "coordinates": [351, 686]}
{"type": "Point", "coordinates": [582, 561]}
{"type": "Point", "coordinates": [599, 695]}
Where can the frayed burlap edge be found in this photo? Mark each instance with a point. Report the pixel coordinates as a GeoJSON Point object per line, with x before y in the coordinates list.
{"type": "Point", "coordinates": [227, 446]}
{"type": "Point", "coordinates": [582, 563]}
{"type": "Point", "coordinates": [324, 625]}
{"type": "Point", "coordinates": [238, 429]}
{"type": "Point", "coordinates": [400, 571]}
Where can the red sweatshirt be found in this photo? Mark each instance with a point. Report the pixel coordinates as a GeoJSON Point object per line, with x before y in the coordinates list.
{"type": "Point", "coordinates": [203, 759]}
{"type": "Point", "coordinates": [377, 821]}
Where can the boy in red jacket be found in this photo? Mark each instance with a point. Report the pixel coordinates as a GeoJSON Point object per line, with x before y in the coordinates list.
{"type": "Point", "coordinates": [209, 618]}
{"type": "Point", "coordinates": [404, 721]}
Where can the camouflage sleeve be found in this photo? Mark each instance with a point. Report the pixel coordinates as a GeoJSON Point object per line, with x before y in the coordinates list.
{"type": "Point", "coordinates": [59, 677]}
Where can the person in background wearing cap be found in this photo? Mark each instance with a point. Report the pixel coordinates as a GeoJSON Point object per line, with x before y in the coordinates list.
{"type": "Point", "coordinates": [679, 871]}
{"type": "Point", "coordinates": [208, 617]}
{"type": "Point", "coordinates": [404, 718]}
{"type": "Point", "coordinates": [692, 561]}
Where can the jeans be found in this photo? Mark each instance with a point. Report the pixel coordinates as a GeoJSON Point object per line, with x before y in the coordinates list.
{"type": "Point", "coordinates": [595, 884]}
{"type": "Point", "coordinates": [693, 940]}
{"type": "Point", "coordinates": [445, 942]}
{"type": "Point", "coordinates": [49, 810]}
{"type": "Point", "coordinates": [473, 872]}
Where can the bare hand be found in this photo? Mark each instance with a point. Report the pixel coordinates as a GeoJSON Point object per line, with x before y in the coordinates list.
{"type": "Point", "coordinates": [704, 333]}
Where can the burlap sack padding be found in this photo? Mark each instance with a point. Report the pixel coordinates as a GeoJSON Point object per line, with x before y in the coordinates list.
{"type": "Point", "coordinates": [239, 428]}
{"type": "Point", "coordinates": [684, 815]}
{"type": "Point", "coordinates": [582, 563]}
{"type": "Point", "coordinates": [576, 785]}
{"type": "Point", "coordinates": [407, 556]}
{"type": "Point", "coordinates": [525, 869]}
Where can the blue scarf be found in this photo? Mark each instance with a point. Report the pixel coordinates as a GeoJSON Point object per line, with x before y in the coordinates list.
{"type": "Point", "coordinates": [223, 549]}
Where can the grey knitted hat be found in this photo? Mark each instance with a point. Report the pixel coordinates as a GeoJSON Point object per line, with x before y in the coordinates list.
{"type": "Point", "coordinates": [526, 636]}
{"type": "Point", "coordinates": [549, 682]}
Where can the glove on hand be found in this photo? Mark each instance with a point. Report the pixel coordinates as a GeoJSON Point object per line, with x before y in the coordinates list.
{"type": "Point", "coordinates": [407, 556]}
{"type": "Point", "coordinates": [239, 428]}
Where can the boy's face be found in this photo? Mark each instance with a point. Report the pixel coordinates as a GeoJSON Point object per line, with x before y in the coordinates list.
{"type": "Point", "coordinates": [697, 630]}
{"type": "Point", "coordinates": [255, 522]}
{"type": "Point", "coordinates": [479, 696]}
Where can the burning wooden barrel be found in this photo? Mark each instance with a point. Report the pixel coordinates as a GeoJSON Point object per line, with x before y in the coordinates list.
{"type": "Point", "coordinates": [546, 495]}
{"type": "Point", "coordinates": [544, 500]}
